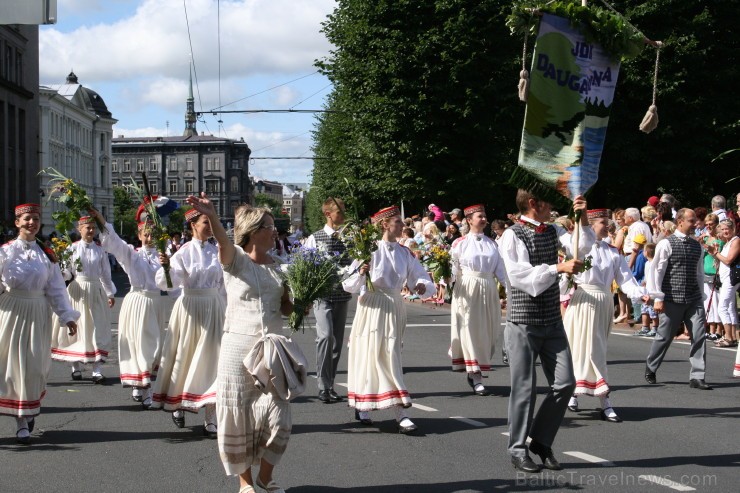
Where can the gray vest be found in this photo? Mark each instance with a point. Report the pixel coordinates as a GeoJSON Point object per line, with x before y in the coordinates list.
{"type": "Point", "coordinates": [679, 283]}
{"type": "Point", "coordinates": [545, 308]}
{"type": "Point", "coordinates": [334, 244]}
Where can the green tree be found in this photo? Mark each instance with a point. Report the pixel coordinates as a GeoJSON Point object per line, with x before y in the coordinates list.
{"type": "Point", "coordinates": [264, 200]}
{"type": "Point", "coordinates": [124, 212]}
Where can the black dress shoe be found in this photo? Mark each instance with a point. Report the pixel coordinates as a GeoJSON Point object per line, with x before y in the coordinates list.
{"type": "Point", "coordinates": [611, 419]}
{"type": "Point", "coordinates": [525, 464]}
{"type": "Point", "coordinates": [480, 390]}
{"type": "Point", "coordinates": [650, 377]}
{"type": "Point", "coordinates": [573, 408]}
{"type": "Point", "coordinates": [31, 422]}
{"type": "Point", "coordinates": [98, 379]}
{"type": "Point", "coordinates": [699, 383]}
{"type": "Point", "coordinates": [470, 382]}
{"type": "Point", "coordinates": [209, 434]}
{"type": "Point", "coordinates": [324, 396]}
{"type": "Point", "coordinates": [77, 375]}
{"type": "Point", "coordinates": [179, 421]}
{"type": "Point", "coordinates": [334, 397]}
{"type": "Point", "coordinates": [365, 421]}
{"type": "Point", "coordinates": [405, 430]}
{"type": "Point", "coordinates": [545, 453]}
{"type": "Point", "coordinates": [22, 440]}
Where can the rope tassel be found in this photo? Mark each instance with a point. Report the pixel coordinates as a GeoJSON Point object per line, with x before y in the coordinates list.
{"type": "Point", "coordinates": [524, 75]}
{"type": "Point", "coordinates": [650, 121]}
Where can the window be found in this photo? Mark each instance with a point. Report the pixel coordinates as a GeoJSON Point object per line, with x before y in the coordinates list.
{"type": "Point", "coordinates": [188, 164]}
{"type": "Point", "coordinates": [235, 164]}
{"type": "Point", "coordinates": [209, 164]}
{"type": "Point", "coordinates": [115, 183]}
{"type": "Point", "coordinates": [154, 186]}
{"type": "Point", "coordinates": [103, 176]}
{"type": "Point", "coordinates": [234, 183]}
{"type": "Point", "coordinates": [211, 186]}
{"type": "Point", "coordinates": [173, 163]}
{"type": "Point", "coordinates": [152, 164]}
{"type": "Point", "coordinates": [139, 165]}
{"type": "Point", "coordinates": [216, 164]}
{"type": "Point", "coordinates": [114, 165]}
{"type": "Point", "coordinates": [126, 165]}
{"type": "Point", "coordinates": [173, 186]}
{"type": "Point", "coordinates": [189, 186]}
{"type": "Point", "coordinates": [102, 142]}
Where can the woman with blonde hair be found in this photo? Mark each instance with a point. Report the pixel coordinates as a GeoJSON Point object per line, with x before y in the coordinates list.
{"type": "Point", "coordinates": [727, 303]}
{"type": "Point", "coordinates": [253, 427]}
{"type": "Point", "coordinates": [711, 277]}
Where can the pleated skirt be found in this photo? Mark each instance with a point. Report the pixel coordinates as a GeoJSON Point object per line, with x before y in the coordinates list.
{"type": "Point", "coordinates": [93, 338]}
{"type": "Point", "coordinates": [187, 371]}
{"type": "Point", "coordinates": [375, 370]}
{"type": "Point", "coordinates": [476, 319]}
{"type": "Point", "coordinates": [25, 346]}
{"type": "Point", "coordinates": [251, 425]}
{"type": "Point", "coordinates": [140, 334]}
{"type": "Point", "coordinates": [587, 322]}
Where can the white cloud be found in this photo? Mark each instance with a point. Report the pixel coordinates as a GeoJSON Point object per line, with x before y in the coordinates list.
{"type": "Point", "coordinates": [284, 96]}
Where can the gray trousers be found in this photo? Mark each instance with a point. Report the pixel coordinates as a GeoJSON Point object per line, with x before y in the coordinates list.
{"type": "Point", "coordinates": [331, 316]}
{"type": "Point", "coordinates": [694, 316]}
{"type": "Point", "coordinates": [524, 344]}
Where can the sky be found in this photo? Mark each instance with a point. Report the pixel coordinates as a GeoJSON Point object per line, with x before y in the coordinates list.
{"type": "Point", "coordinates": [137, 54]}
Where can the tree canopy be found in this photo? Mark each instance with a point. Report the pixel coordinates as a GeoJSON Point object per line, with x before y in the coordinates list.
{"type": "Point", "coordinates": [424, 106]}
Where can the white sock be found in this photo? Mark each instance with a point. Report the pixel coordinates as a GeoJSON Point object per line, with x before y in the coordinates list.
{"type": "Point", "coordinates": [400, 413]}
{"type": "Point", "coordinates": [136, 392]}
{"type": "Point", "coordinates": [211, 413]}
{"type": "Point", "coordinates": [98, 367]}
{"type": "Point", "coordinates": [606, 405]}
{"type": "Point", "coordinates": [573, 401]}
{"type": "Point", "coordinates": [363, 414]}
{"type": "Point", "coordinates": [179, 414]}
{"type": "Point", "coordinates": [22, 423]}
{"type": "Point", "coordinates": [76, 366]}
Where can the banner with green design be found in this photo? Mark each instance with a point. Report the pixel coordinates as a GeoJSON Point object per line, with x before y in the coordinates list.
{"type": "Point", "coordinates": [570, 95]}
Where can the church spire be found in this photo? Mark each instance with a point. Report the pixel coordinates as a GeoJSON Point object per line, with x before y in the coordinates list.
{"type": "Point", "coordinates": [190, 117]}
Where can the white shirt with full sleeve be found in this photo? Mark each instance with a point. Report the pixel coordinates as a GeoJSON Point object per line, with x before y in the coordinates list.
{"type": "Point", "coordinates": [478, 253]}
{"type": "Point", "coordinates": [141, 265]}
{"type": "Point", "coordinates": [95, 265]}
{"type": "Point", "coordinates": [608, 265]}
{"type": "Point", "coordinates": [536, 279]}
{"type": "Point", "coordinates": [194, 266]}
{"type": "Point", "coordinates": [659, 266]}
{"type": "Point", "coordinates": [26, 267]}
{"type": "Point", "coordinates": [311, 240]}
{"type": "Point", "coordinates": [391, 265]}
{"type": "Point", "coordinates": [634, 229]}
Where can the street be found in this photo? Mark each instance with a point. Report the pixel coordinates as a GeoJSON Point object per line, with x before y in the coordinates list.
{"type": "Point", "coordinates": [94, 438]}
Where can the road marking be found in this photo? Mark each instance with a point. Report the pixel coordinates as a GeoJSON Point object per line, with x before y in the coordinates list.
{"type": "Point", "coordinates": [340, 384]}
{"type": "Point", "coordinates": [684, 343]}
{"type": "Point", "coordinates": [666, 482]}
{"type": "Point", "coordinates": [427, 325]}
{"type": "Point", "coordinates": [506, 434]}
{"type": "Point", "coordinates": [469, 421]}
{"type": "Point", "coordinates": [424, 408]}
{"type": "Point", "coordinates": [590, 458]}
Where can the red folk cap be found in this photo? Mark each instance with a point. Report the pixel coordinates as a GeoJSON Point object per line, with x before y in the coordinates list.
{"type": "Point", "coordinates": [191, 215]}
{"type": "Point", "coordinates": [598, 214]}
{"type": "Point", "coordinates": [27, 209]}
{"type": "Point", "coordinates": [387, 212]}
{"type": "Point", "coordinates": [472, 209]}
{"type": "Point", "coordinates": [86, 220]}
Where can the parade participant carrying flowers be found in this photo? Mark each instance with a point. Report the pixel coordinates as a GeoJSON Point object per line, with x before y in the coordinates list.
{"type": "Point", "coordinates": [33, 289]}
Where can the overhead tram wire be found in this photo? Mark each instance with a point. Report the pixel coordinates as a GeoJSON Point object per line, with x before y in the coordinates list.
{"type": "Point", "coordinates": [264, 91]}
{"type": "Point", "coordinates": [192, 59]}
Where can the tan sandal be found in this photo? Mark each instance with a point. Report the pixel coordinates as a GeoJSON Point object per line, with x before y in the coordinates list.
{"type": "Point", "coordinates": [248, 488]}
{"type": "Point", "coordinates": [271, 487]}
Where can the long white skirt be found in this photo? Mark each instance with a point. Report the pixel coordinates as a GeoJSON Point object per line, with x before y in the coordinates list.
{"type": "Point", "coordinates": [375, 370]}
{"type": "Point", "coordinates": [587, 322]}
{"type": "Point", "coordinates": [93, 338]}
{"type": "Point", "coordinates": [140, 334]}
{"type": "Point", "coordinates": [476, 318]}
{"type": "Point", "coordinates": [25, 337]}
{"type": "Point", "coordinates": [251, 425]}
{"type": "Point", "coordinates": [187, 372]}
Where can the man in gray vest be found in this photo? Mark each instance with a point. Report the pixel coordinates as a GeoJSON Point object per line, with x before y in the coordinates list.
{"type": "Point", "coordinates": [675, 283]}
{"type": "Point", "coordinates": [331, 312]}
{"type": "Point", "coordinates": [534, 327]}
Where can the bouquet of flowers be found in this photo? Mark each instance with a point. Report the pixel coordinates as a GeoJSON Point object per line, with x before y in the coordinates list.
{"type": "Point", "coordinates": [60, 247]}
{"type": "Point", "coordinates": [586, 266]}
{"type": "Point", "coordinates": [310, 274]}
{"type": "Point", "coordinates": [438, 261]}
{"type": "Point", "coordinates": [157, 227]}
{"type": "Point", "coordinates": [68, 193]}
{"type": "Point", "coordinates": [361, 240]}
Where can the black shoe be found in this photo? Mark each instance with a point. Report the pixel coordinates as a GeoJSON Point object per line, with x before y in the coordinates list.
{"type": "Point", "coordinates": [22, 440]}
{"type": "Point", "coordinates": [209, 434]}
{"type": "Point", "coordinates": [98, 379]}
{"type": "Point", "coordinates": [405, 430]}
{"type": "Point", "coordinates": [334, 397]}
{"type": "Point", "coordinates": [611, 419]}
{"type": "Point", "coordinates": [699, 383]}
{"type": "Point", "coordinates": [366, 421]}
{"type": "Point", "coordinates": [146, 404]}
{"type": "Point", "coordinates": [470, 382]}
{"type": "Point", "coordinates": [650, 377]}
{"type": "Point", "coordinates": [324, 396]}
{"type": "Point", "coordinates": [179, 421]}
{"type": "Point", "coordinates": [480, 391]}
{"type": "Point", "coordinates": [31, 422]}
{"type": "Point", "coordinates": [525, 464]}
{"type": "Point", "coordinates": [77, 375]}
{"type": "Point", "coordinates": [573, 408]}
{"type": "Point", "coordinates": [545, 453]}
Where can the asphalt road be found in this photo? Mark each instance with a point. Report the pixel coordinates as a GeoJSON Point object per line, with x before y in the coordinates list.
{"type": "Point", "coordinates": [92, 438]}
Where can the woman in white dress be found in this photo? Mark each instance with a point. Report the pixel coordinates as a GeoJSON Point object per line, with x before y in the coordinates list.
{"type": "Point", "coordinates": [727, 301]}
{"type": "Point", "coordinates": [375, 371]}
{"type": "Point", "coordinates": [253, 428]}
{"type": "Point", "coordinates": [142, 319]}
{"type": "Point", "coordinates": [588, 318]}
{"type": "Point", "coordinates": [476, 308]}
{"type": "Point", "coordinates": [33, 288]}
{"type": "Point", "coordinates": [186, 380]}
{"type": "Point", "coordinates": [92, 293]}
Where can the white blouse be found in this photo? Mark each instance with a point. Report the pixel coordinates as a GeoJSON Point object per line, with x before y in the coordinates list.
{"type": "Point", "coordinates": [478, 253]}
{"type": "Point", "coordinates": [95, 265]}
{"type": "Point", "coordinates": [26, 267]}
{"type": "Point", "coordinates": [141, 265]}
{"type": "Point", "coordinates": [390, 266]}
{"type": "Point", "coordinates": [607, 265]}
{"type": "Point", "coordinates": [195, 265]}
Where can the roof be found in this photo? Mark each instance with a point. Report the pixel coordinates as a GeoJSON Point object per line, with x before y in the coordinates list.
{"type": "Point", "coordinates": [90, 100]}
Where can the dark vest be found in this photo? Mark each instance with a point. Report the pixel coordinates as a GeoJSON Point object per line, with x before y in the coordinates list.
{"type": "Point", "coordinates": [334, 244]}
{"type": "Point", "coordinates": [545, 308]}
{"type": "Point", "coordinates": [679, 282]}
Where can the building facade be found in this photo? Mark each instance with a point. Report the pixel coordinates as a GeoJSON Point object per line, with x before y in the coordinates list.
{"type": "Point", "coordinates": [19, 119]}
{"type": "Point", "coordinates": [293, 205]}
{"type": "Point", "coordinates": [76, 131]}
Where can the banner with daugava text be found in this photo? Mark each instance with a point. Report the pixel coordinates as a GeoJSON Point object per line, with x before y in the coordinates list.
{"type": "Point", "coordinates": [570, 96]}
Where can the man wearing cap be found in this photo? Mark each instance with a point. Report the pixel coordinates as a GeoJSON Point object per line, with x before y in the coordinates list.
{"type": "Point", "coordinates": [534, 327]}
{"type": "Point", "coordinates": [330, 312]}
{"type": "Point", "coordinates": [92, 293]}
{"type": "Point", "coordinates": [653, 201]}
{"type": "Point", "coordinates": [675, 283]}
{"type": "Point", "coordinates": [588, 318]}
